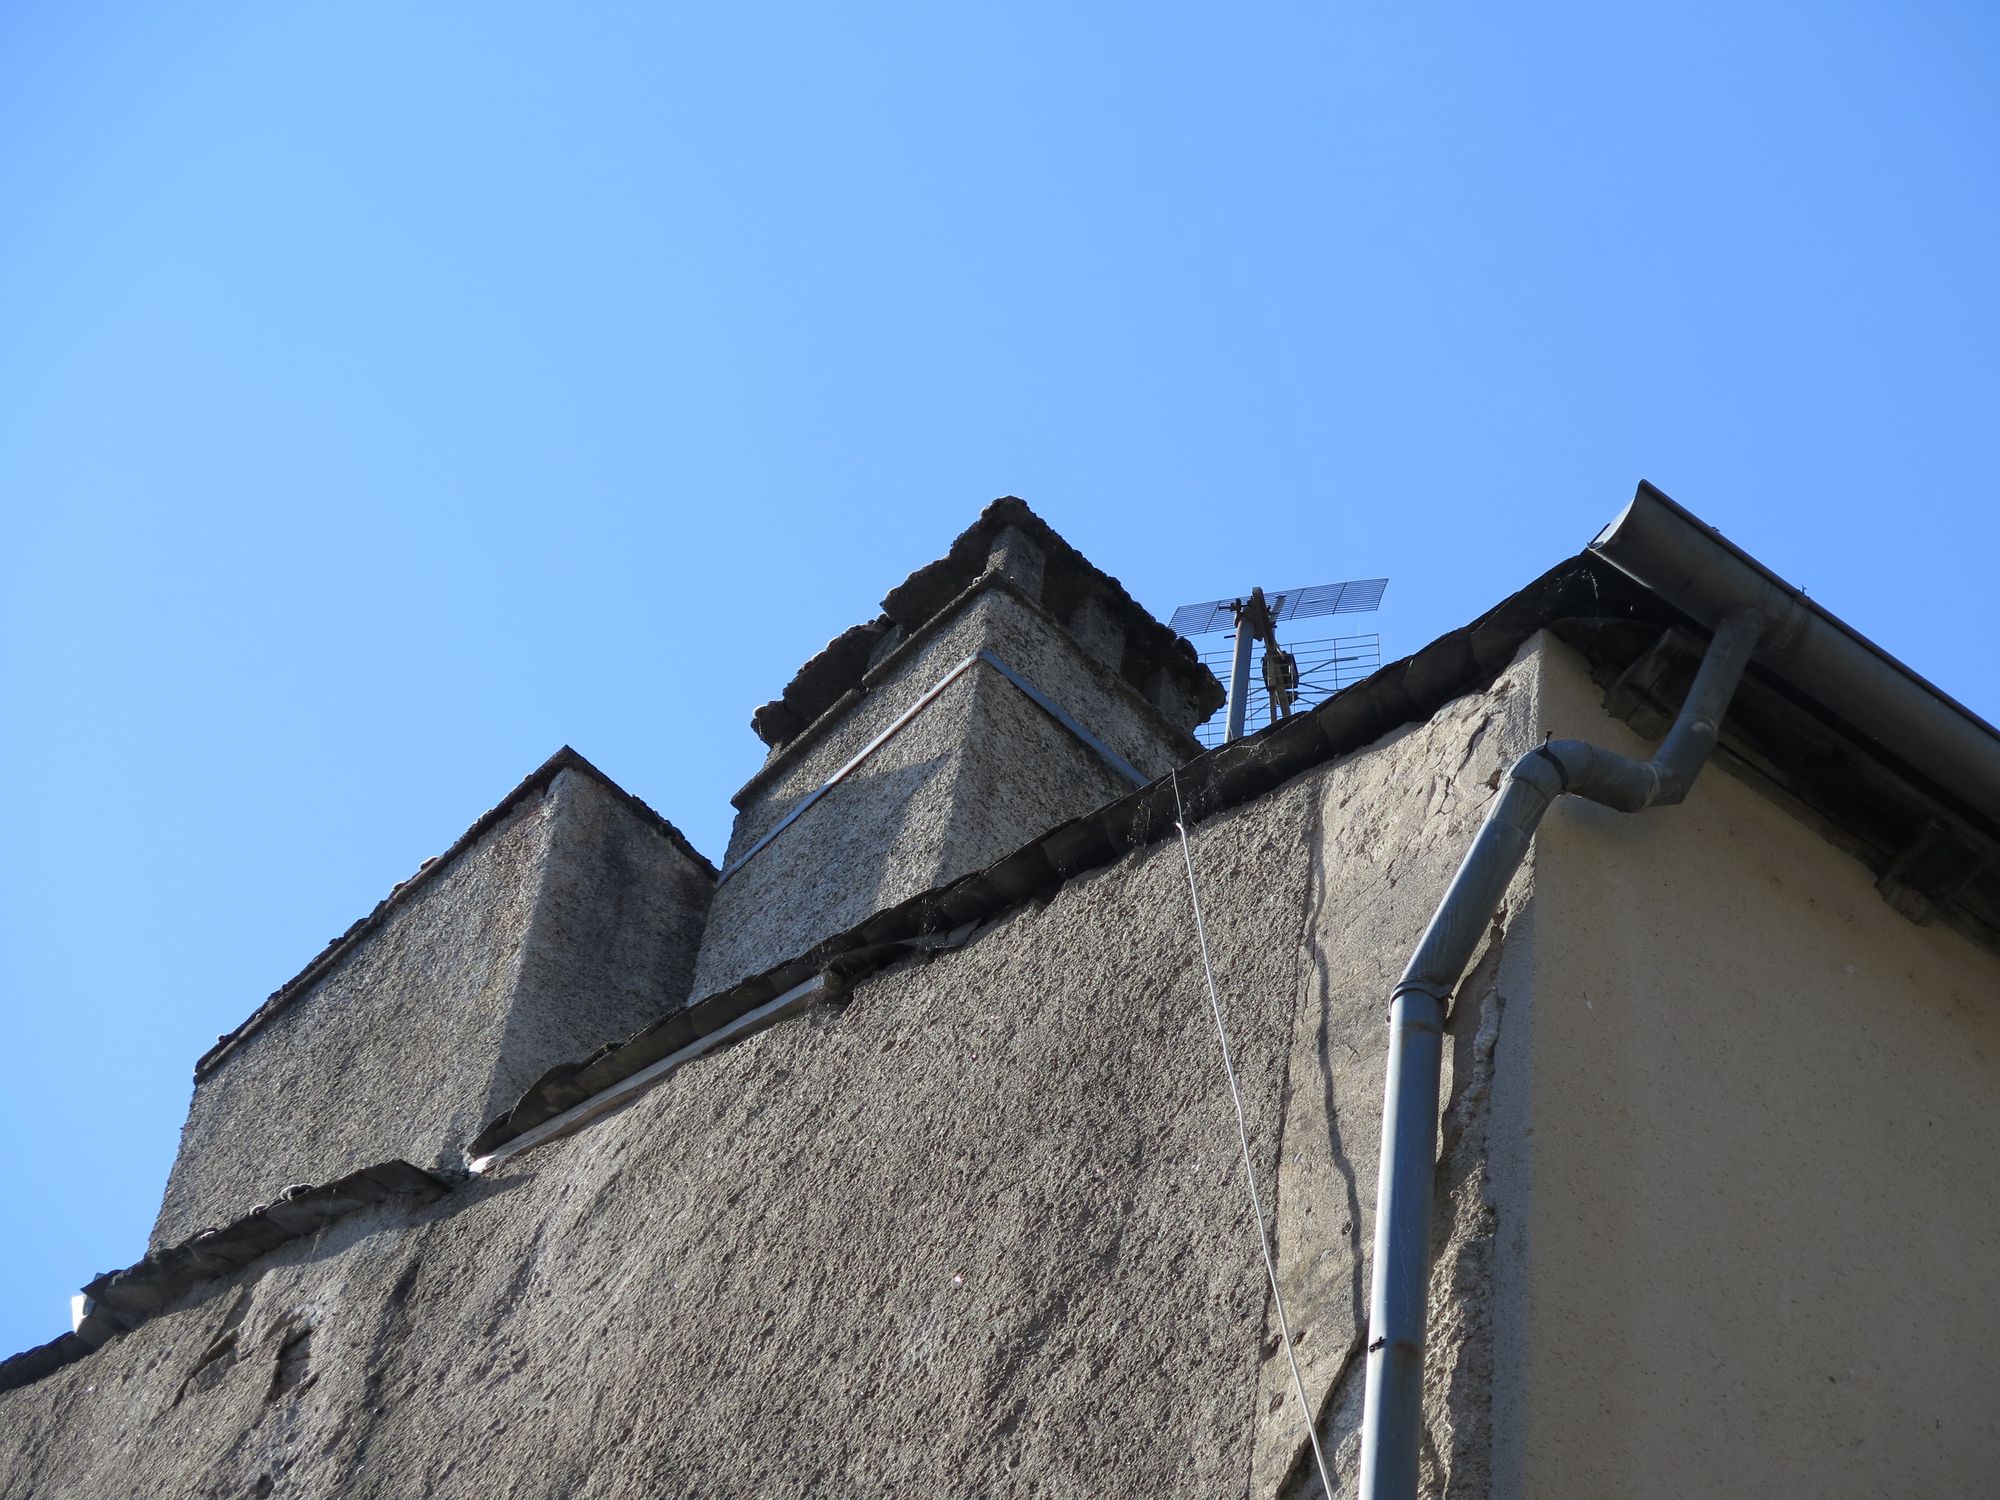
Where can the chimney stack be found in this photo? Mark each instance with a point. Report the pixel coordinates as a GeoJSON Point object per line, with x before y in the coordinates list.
{"type": "Point", "coordinates": [1004, 689]}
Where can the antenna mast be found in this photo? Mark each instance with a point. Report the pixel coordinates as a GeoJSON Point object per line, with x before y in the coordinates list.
{"type": "Point", "coordinates": [1256, 619]}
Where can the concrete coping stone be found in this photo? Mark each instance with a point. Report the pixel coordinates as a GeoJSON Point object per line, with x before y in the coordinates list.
{"type": "Point", "coordinates": [1064, 583]}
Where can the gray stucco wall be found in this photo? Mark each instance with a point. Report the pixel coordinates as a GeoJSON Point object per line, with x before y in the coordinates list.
{"type": "Point", "coordinates": [1751, 1163]}
{"type": "Point", "coordinates": [1019, 770]}
{"type": "Point", "coordinates": [980, 1230]}
{"type": "Point", "coordinates": [1390, 826]}
{"type": "Point", "coordinates": [979, 772]}
{"type": "Point", "coordinates": [872, 841]}
{"type": "Point", "coordinates": [571, 921]}
{"type": "Point", "coordinates": [611, 942]}
{"type": "Point", "coordinates": [1715, 1216]}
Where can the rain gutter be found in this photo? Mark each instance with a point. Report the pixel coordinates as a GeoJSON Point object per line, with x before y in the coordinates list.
{"type": "Point", "coordinates": [1799, 647]}
{"type": "Point", "coordinates": [1665, 549]}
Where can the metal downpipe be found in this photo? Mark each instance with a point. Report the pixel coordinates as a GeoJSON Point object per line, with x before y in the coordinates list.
{"type": "Point", "coordinates": [1399, 1293]}
{"type": "Point", "coordinates": [1239, 682]}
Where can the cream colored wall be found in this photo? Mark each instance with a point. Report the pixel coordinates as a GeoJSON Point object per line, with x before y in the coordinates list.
{"type": "Point", "coordinates": [1747, 1162]}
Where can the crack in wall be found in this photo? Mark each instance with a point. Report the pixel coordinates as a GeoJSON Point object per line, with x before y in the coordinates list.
{"type": "Point", "coordinates": [1455, 1460]}
{"type": "Point", "coordinates": [1320, 1217]}
{"type": "Point", "coordinates": [1392, 825]}
{"type": "Point", "coordinates": [1309, 986]}
{"type": "Point", "coordinates": [1336, 1145]}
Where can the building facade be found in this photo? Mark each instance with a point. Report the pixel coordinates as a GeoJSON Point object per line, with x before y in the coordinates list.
{"type": "Point", "coordinates": [897, 1156]}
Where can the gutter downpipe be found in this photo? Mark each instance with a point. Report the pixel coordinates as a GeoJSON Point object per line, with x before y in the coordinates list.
{"type": "Point", "coordinates": [1399, 1294]}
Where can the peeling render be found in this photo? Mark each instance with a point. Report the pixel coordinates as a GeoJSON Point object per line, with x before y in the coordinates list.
{"type": "Point", "coordinates": [1458, 1362]}
{"type": "Point", "coordinates": [1391, 823]}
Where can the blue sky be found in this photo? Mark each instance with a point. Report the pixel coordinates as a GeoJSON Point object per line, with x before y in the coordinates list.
{"type": "Point", "coordinates": [392, 394]}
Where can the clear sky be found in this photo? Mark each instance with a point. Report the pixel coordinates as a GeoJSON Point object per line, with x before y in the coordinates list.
{"type": "Point", "coordinates": [390, 394]}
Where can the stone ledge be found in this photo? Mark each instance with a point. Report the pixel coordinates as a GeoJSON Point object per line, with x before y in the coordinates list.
{"type": "Point", "coordinates": [116, 1302]}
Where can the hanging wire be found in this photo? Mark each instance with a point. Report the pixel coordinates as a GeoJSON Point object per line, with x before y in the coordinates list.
{"type": "Point", "coordinates": [1243, 1139]}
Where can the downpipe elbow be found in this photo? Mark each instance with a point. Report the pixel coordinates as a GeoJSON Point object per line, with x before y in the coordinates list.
{"type": "Point", "coordinates": [1577, 768]}
{"type": "Point", "coordinates": [1398, 1299]}
{"type": "Point", "coordinates": [1610, 779]}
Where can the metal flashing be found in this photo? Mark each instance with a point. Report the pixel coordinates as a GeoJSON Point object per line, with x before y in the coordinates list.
{"type": "Point", "coordinates": [623, 1092]}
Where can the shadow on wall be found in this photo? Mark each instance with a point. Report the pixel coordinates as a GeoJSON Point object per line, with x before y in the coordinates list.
{"type": "Point", "coordinates": [608, 948]}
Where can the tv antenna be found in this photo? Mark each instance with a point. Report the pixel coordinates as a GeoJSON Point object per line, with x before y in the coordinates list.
{"type": "Point", "coordinates": [1256, 619]}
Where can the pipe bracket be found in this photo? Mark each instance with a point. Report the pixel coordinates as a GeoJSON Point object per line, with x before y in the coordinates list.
{"type": "Point", "coordinates": [1562, 771]}
{"type": "Point", "coordinates": [1438, 992]}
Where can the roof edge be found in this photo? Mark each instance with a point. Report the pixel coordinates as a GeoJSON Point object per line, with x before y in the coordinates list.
{"type": "Point", "coordinates": [1069, 579]}
{"type": "Point", "coordinates": [1593, 586]}
{"type": "Point", "coordinates": [119, 1301]}
{"type": "Point", "coordinates": [1664, 547]}
{"type": "Point", "coordinates": [787, 755]}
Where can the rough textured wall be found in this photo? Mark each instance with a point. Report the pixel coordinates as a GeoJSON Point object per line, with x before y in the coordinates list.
{"type": "Point", "coordinates": [570, 922]}
{"type": "Point", "coordinates": [869, 843]}
{"type": "Point", "coordinates": [979, 1231]}
{"type": "Point", "coordinates": [1033, 643]}
{"type": "Point", "coordinates": [1391, 825]}
{"type": "Point", "coordinates": [1021, 774]}
{"type": "Point", "coordinates": [979, 772]}
{"type": "Point", "coordinates": [1757, 1158]}
{"type": "Point", "coordinates": [388, 1054]}
{"type": "Point", "coordinates": [612, 940]}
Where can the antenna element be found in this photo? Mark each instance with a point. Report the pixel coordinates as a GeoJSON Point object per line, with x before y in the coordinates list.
{"type": "Point", "coordinates": [1256, 619]}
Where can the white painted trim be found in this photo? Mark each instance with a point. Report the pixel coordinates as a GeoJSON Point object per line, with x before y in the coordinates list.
{"type": "Point", "coordinates": [626, 1089]}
